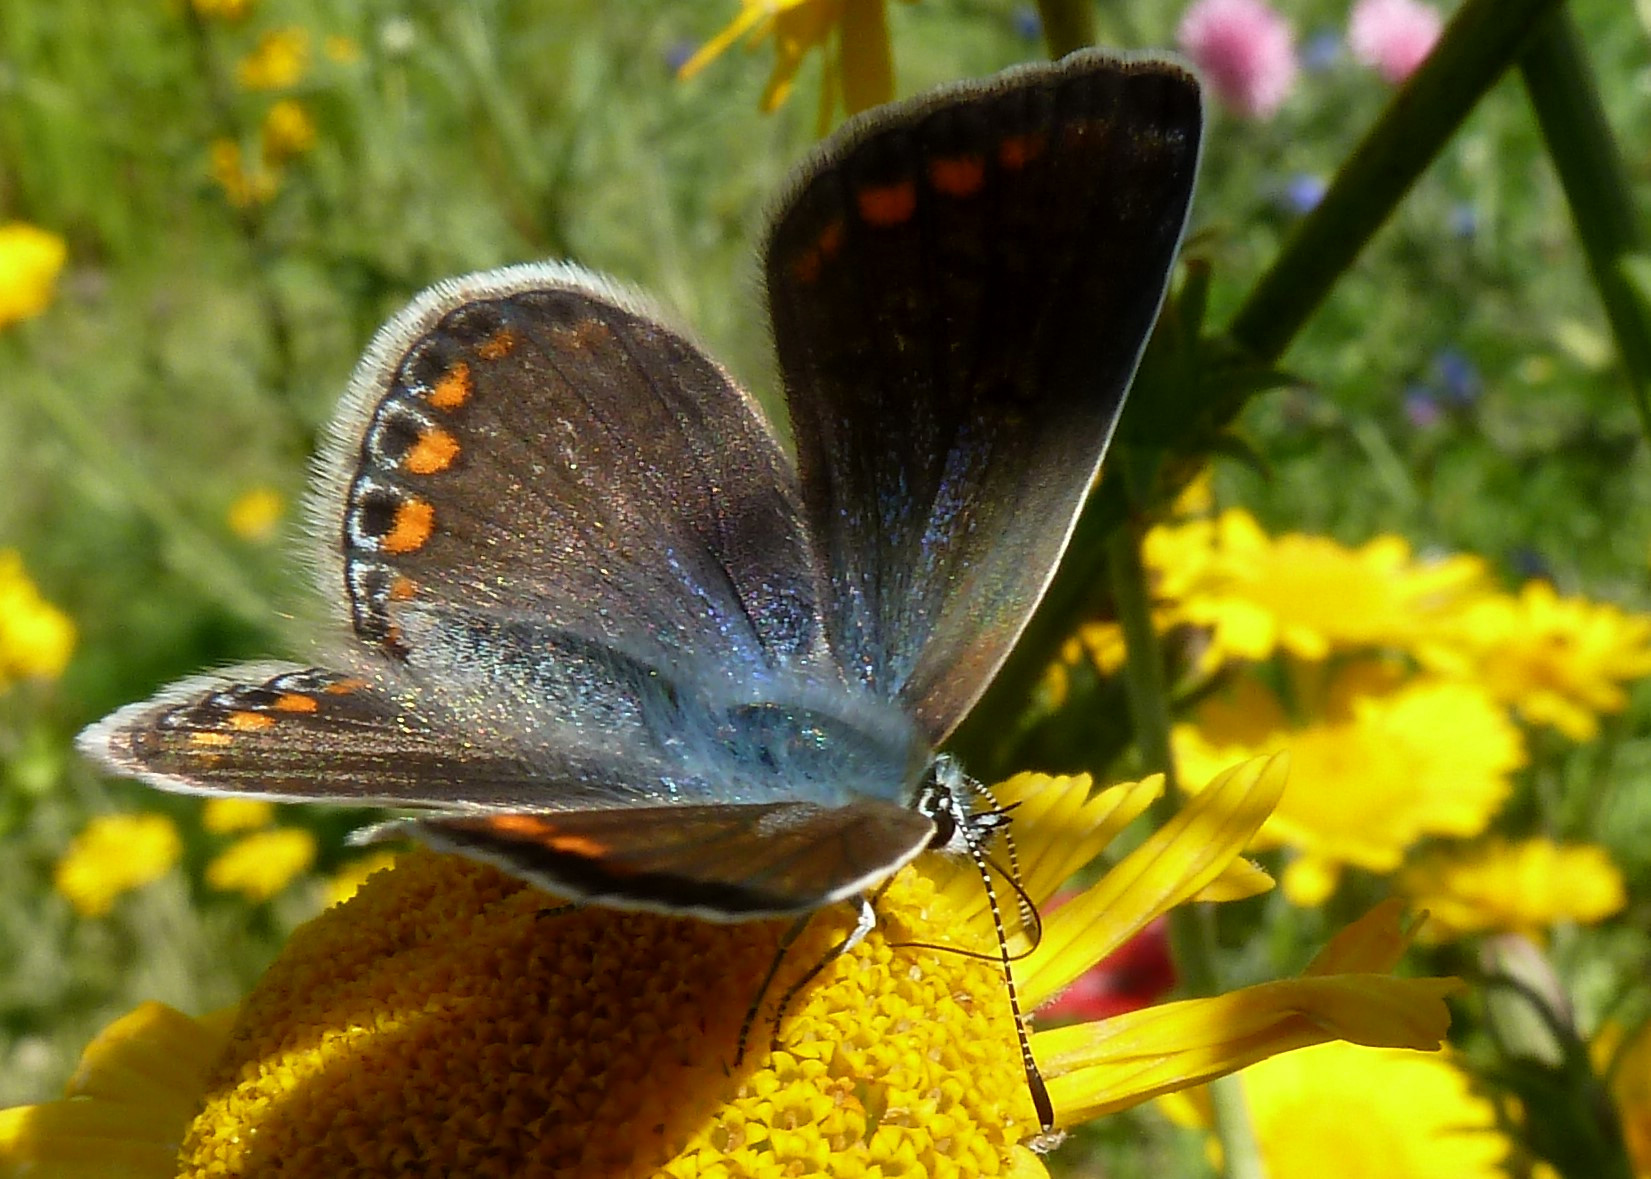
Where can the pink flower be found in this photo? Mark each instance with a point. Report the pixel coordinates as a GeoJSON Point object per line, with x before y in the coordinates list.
{"type": "Point", "coordinates": [1245, 51]}
{"type": "Point", "coordinates": [1393, 36]}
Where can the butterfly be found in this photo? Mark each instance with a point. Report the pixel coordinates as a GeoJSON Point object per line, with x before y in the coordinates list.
{"type": "Point", "coordinates": [591, 623]}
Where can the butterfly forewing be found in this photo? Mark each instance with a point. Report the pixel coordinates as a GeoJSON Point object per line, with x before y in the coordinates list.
{"type": "Point", "coordinates": [961, 288]}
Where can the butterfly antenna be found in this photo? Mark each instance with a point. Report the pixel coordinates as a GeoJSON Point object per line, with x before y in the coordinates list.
{"type": "Point", "coordinates": [1029, 916]}
{"type": "Point", "coordinates": [970, 827]}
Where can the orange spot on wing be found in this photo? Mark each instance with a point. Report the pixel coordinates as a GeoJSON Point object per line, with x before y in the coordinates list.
{"type": "Point", "coordinates": [211, 740]}
{"type": "Point", "coordinates": [415, 521]}
{"type": "Point", "coordinates": [1016, 151]}
{"type": "Point", "coordinates": [960, 176]}
{"type": "Point", "coordinates": [887, 205]}
{"type": "Point", "coordinates": [403, 589]}
{"type": "Point", "coordinates": [805, 267]}
{"type": "Point", "coordinates": [434, 451]}
{"type": "Point", "coordinates": [533, 829]}
{"type": "Point", "coordinates": [243, 721]}
{"type": "Point", "coordinates": [345, 687]}
{"type": "Point", "coordinates": [295, 702]}
{"type": "Point", "coordinates": [831, 238]}
{"type": "Point", "coordinates": [453, 389]}
{"type": "Point", "coordinates": [497, 346]}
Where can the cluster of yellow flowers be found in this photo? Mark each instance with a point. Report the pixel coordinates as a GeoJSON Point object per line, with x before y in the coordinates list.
{"type": "Point", "coordinates": [1405, 689]}
{"type": "Point", "coordinates": [118, 853]}
{"type": "Point", "coordinates": [280, 60]}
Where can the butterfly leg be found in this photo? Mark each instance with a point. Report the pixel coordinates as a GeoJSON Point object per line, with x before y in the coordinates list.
{"type": "Point", "coordinates": [864, 924]}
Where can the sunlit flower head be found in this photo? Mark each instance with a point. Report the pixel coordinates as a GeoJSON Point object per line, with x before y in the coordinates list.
{"type": "Point", "coordinates": [455, 1015]}
{"type": "Point", "coordinates": [256, 514]}
{"type": "Point", "coordinates": [1379, 761]}
{"type": "Point", "coordinates": [1524, 887]}
{"type": "Point", "coordinates": [244, 183]}
{"type": "Point", "coordinates": [1623, 1057]}
{"type": "Point", "coordinates": [1556, 661]}
{"type": "Point", "coordinates": [287, 131]}
{"type": "Point", "coordinates": [1245, 51]}
{"type": "Point", "coordinates": [30, 260]}
{"type": "Point", "coordinates": [851, 35]}
{"type": "Point", "coordinates": [1393, 37]}
{"type": "Point", "coordinates": [224, 10]}
{"type": "Point", "coordinates": [279, 60]}
{"type": "Point", "coordinates": [347, 881]}
{"type": "Point", "coordinates": [1376, 1111]}
{"type": "Point", "coordinates": [112, 855]}
{"type": "Point", "coordinates": [263, 863]}
{"type": "Point", "coordinates": [1305, 595]}
{"type": "Point", "coordinates": [36, 638]}
{"type": "Point", "coordinates": [341, 50]}
{"type": "Point", "coordinates": [225, 816]}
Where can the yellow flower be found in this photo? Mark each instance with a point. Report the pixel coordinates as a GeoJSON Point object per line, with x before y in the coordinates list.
{"type": "Point", "coordinates": [256, 514]}
{"type": "Point", "coordinates": [859, 64]}
{"type": "Point", "coordinates": [1381, 763]}
{"type": "Point", "coordinates": [30, 261]}
{"type": "Point", "coordinates": [225, 10]}
{"type": "Point", "coordinates": [454, 1015]}
{"type": "Point", "coordinates": [279, 60]}
{"type": "Point", "coordinates": [1306, 595]}
{"type": "Point", "coordinates": [122, 1113]}
{"type": "Point", "coordinates": [347, 881]}
{"type": "Point", "coordinates": [114, 854]}
{"type": "Point", "coordinates": [1374, 1111]}
{"type": "Point", "coordinates": [1513, 887]}
{"type": "Point", "coordinates": [1558, 661]}
{"type": "Point", "coordinates": [244, 185]}
{"type": "Point", "coordinates": [36, 638]}
{"type": "Point", "coordinates": [1625, 1061]}
{"type": "Point", "coordinates": [223, 816]}
{"type": "Point", "coordinates": [341, 50]}
{"type": "Point", "coordinates": [288, 131]}
{"type": "Point", "coordinates": [261, 865]}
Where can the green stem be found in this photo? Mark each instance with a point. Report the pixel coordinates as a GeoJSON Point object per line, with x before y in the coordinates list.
{"type": "Point", "coordinates": [1191, 935]}
{"type": "Point", "coordinates": [1482, 40]}
{"type": "Point", "coordinates": [1565, 98]}
{"type": "Point", "coordinates": [1067, 25]}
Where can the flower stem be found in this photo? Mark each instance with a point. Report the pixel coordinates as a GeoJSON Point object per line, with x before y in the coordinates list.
{"type": "Point", "coordinates": [1067, 25]}
{"type": "Point", "coordinates": [1565, 98]}
{"type": "Point", "coordinates": [1481, 40]}
{"type": "Point", "coordinates": [1191, 937]}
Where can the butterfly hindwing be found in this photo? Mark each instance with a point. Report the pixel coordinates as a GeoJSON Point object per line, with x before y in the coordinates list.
{"type": "Point", "coordinates": [718, 862]}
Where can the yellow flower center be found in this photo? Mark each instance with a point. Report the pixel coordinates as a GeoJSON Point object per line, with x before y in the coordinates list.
{"type": "Point", "coordinates": [452, 1020]}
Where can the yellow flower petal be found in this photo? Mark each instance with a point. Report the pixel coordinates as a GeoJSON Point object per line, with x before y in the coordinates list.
{"type": "Point", "coordinates": [1174, 864]}
{"type": "Point", "coordinates": [1100, 1068]}
{"type": "Point", "coordinates": [1400, 1115]}
{"type": "Point", "coordinates": [223, 816]}
{"type": "Point", "coordinates": [36, 638]}
{"type": "Point", "coordinates": [279, 60]}
{"type": "Point", "coordinates": [30, 260]}
{"type": "Point", "coordinates": [1521, 887]}
{"type": "Point", "coordinates": [115, 854]}
{"type": "Point", "coordinates": [126, 1107]}
{"type": "Point", "coordinates": [262, 864]}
